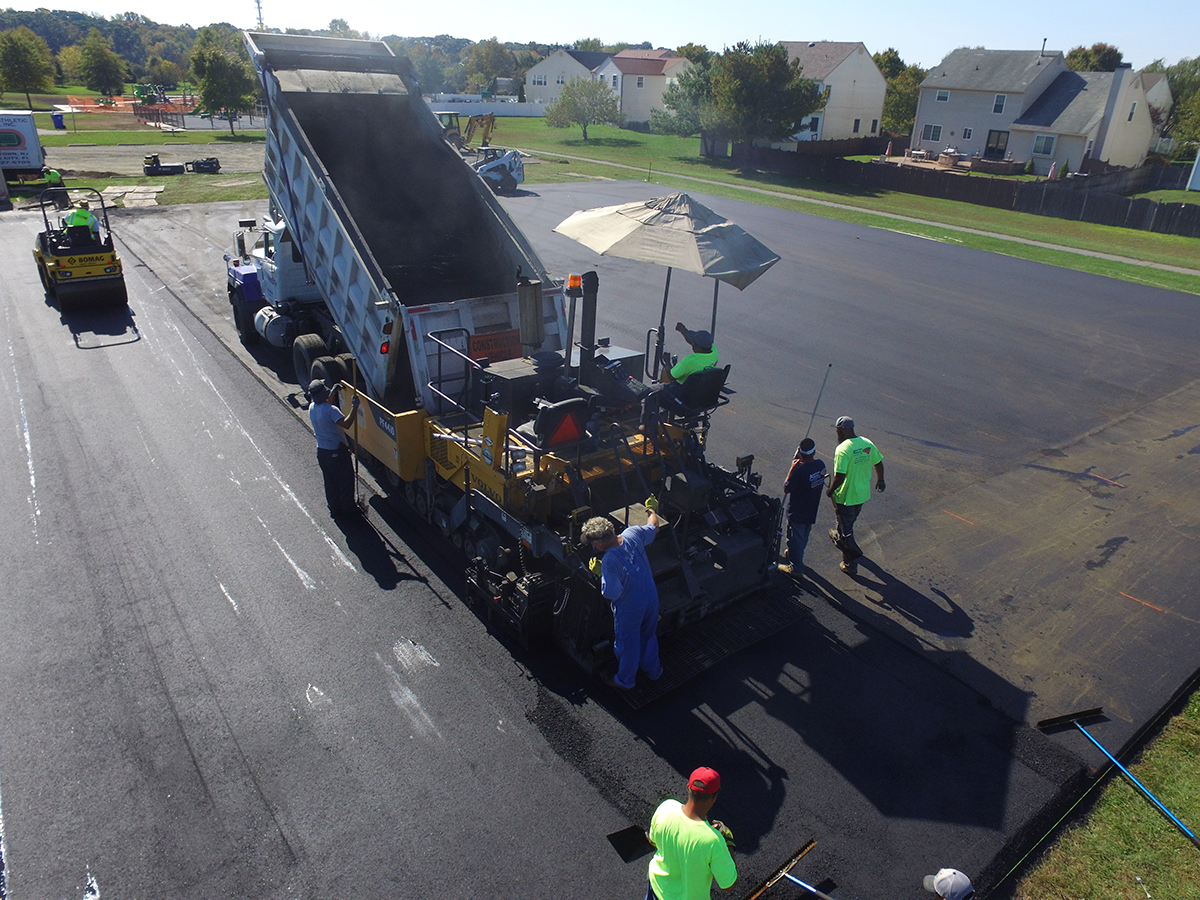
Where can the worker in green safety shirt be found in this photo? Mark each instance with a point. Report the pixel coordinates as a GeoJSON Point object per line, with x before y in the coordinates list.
{"type": "Point", "coordinates": [54, 182]}
{"type": "Point", "coordinates": [83, 215]}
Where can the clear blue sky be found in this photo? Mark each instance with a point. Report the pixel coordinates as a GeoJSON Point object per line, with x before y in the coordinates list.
{"type": "Point", "coordinates": [920, 32]}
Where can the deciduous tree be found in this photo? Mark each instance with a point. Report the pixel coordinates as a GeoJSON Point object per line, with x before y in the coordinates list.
{"type": "Point", "coordinates": [227, 82]}
{"type": "Point", "coordinates": [26, 64]}
{"type": "Point", "coordinates": [1097, 58]}
{"type": "Point", "coordinates": [584, 102]}
{"type": "Point", "coordinates": [487, 61]}
{"type": "Point", "coordinates": [757, 94]}
{"type": "Point", "coordinates": [903, 91]}
{"type": "Point", "coordinates": [103, 71]}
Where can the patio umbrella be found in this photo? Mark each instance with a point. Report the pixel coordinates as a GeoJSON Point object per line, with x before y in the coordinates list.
{"type": "Point", "coordinates": [677, 232]}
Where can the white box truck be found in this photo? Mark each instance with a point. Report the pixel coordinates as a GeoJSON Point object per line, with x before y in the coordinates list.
{"type": "Point", "coordinates": [21, 152]}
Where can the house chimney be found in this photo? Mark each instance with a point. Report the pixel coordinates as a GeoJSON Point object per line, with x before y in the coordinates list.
{"type": "Point", "coordinates": [1043, 53]}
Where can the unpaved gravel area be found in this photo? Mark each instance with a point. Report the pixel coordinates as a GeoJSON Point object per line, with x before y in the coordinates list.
{"type": "Point", "coordinates": [126, 159]}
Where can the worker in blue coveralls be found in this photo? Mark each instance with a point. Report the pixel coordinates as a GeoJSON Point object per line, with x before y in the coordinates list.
{"type": "Point", "coordinates": [627, 582]}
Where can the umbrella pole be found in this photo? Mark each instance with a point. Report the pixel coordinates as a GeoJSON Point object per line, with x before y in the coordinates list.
{"type": "Point", "coordinates": [716, 287]}
{"type": "Point", "coordinates": [662, 327]}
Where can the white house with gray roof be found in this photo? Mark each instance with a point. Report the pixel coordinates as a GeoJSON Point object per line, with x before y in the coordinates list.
{"type": "Point", "coordinates": [1022, 105]}
{"type": "Point", "coordinates": [856, 90]}
{"type": "Point", "coordinates": [970, 100]}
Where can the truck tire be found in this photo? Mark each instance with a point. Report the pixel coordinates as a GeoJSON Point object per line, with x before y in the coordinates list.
{"type": "Point", "coordinates": [347, 361]}
{"type": "Point", "coordinates": [243, 319]}
{"type": "Point", "coordinates": [307, 349]}
{"type": "Point", "coordinates": [329, 369]}
{"type": "Point", "coordinates": [507, 185]}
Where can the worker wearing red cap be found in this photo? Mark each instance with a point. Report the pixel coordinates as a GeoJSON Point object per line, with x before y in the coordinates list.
{"type": "Point", "coordinates": [690, 851]}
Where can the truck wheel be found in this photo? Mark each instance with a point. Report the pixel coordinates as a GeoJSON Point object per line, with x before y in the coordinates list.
{"type": "Point", "coordinates": [243, 321]}
{"type": "Point", "coordinates": [348, 366]}
{"type": "Point", "coordinates": [329, 369]}
{"type": "Point", "coordinates": [508, 184]}
{"type": "Point", "coordinates": [307, 349]}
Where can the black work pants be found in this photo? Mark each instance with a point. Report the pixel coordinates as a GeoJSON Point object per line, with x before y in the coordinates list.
{"type": "Point", "coordinates": [338, 472]}
{"type": "Point", "coordinates": [846, 517]}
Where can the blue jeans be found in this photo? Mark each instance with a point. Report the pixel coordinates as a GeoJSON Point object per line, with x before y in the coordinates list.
{"type": "Point", "coordinates": [635, 642]}
{"type": "Point", "coordinates": [797, 541]}
{"type": "Point", "coordinates": [846, 517]}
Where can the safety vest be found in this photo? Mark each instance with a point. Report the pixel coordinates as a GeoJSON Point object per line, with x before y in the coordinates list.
{"type": "Point", "coordinates": [52, 177]}
{"type": "Point", "coordinates": [81, 217]}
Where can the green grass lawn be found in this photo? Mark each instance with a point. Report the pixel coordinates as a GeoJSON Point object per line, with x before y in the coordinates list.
{"type": "Point", "coordinates": [1192, 197]}
{"type": "Point", "coordinates": [675, 162]}
{"type": "Point", "coordinates": [153, 136]}
{"type": "Point", "coordinates": [1125, 837]}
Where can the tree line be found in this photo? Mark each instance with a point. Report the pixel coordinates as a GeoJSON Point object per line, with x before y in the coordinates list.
{"type": "Point", "coordinates": [716, 98]}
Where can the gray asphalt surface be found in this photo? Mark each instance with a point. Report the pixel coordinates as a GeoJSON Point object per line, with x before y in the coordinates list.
{"type": "Point", "coordinates": [207, 688]}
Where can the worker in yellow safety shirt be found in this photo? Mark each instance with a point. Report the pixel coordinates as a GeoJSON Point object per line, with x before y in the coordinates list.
{"type": "Point", "coordinates": [83, 215]}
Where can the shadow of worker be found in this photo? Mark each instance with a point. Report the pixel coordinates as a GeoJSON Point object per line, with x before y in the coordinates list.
{"type": "Point", "coordinates": [942, 617]}
{"type": "Point", "coordinates": [377, 555]}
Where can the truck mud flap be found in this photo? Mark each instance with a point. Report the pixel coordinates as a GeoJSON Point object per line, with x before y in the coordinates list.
{"type": "Point", "coordinates": [688, 652]}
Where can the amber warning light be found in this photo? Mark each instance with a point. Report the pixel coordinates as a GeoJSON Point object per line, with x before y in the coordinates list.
{"type": "Point", "coordinates": [575, 285]}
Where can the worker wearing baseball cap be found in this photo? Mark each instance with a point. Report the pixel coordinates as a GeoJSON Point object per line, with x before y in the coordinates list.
{"type": "Point", "coordinates": [949, 884]}
{"type": "Point", "coordinates": [690, 851]}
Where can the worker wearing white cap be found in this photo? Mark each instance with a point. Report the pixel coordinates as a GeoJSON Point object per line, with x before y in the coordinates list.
{"type": "Point", "coordinates": [950, 884]}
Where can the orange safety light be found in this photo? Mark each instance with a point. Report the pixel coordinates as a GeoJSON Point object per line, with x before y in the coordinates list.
{"type": "Point", "coordinates": [575, 282]}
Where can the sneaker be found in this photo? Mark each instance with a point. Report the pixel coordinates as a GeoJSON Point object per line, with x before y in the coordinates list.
{"type": "Point", "coordinates": [835, 537]}
{"type": "Point", "coordinates": [850, 568]}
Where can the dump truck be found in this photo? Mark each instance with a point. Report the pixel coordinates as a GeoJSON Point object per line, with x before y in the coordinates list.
{"type": "Point", "coordinates": [488, 402]}
{"type": "Point", "coordinates": [78, 266]}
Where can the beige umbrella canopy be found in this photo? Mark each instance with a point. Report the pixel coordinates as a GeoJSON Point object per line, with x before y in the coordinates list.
{"type": "Point", "coordinates": [677, 232]}
{"type": "Point", "coordinates": [674, 231]}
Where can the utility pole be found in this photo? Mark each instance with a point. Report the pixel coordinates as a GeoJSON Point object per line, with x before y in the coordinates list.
{"type": "Point", "coordinates": [258, 6]}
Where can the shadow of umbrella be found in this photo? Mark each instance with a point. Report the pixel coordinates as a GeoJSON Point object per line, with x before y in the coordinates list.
{"type": "Point", "coordinates": [679, 233]}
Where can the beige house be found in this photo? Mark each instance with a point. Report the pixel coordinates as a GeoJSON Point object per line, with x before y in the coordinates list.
{"type": "Point", "coordinates": [544, 81]}
{"type": "Point", "coordinates": [1086, 115]}
{"type": "Point", "coordinates": [1022, 105]}
{"type": "Point", "coordinates": [639, 78]}
{"type": "Point", "coordinates": [856, 90]}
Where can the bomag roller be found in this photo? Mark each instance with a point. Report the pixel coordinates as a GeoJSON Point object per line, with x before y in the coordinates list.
{"type": "Point", "coordinates": [79, 266]}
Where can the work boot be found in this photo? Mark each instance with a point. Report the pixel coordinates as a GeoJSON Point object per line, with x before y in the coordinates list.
{"type": "Point", "coordinates": [850, 568]}
{"type": "Point", "coordinates": [785, 568]}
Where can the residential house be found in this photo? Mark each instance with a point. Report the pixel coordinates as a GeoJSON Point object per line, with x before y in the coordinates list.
{"type": "Point", "coordinates": [1161, 101]}
{"type": "Point", "coordinates": [856, 90]}
{"type": "Point", "coordinates": [970, 100]}
{"type": "Point", "coordinates": [639, 78]}
{"type": "Point", "coordinates": [544, 81]}
{"type": "Point", "coordinates": [1021, 105]}
{"type": "Point", "coordinates": [1086, 115]}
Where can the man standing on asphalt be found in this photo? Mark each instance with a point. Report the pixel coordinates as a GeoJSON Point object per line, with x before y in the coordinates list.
{"type": "Point", "coordinates": [851, 488]}
{"type": "Point", "coordinates": [690, 852]}
{"type": "Point", "coordinates": [627, 582]}
{"type": "Point", "coordinates": [333, 452]}
{"type": "Point", "coordinates": [803, 488]}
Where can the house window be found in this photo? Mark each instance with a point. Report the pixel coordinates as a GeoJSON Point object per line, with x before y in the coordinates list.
{"type": "Point", "coordinates": [931, 133]}
{"type": "Point", "coordinates": [997, 145]}
{"type": "Point", "coordinates": [1087, 154]}
{"type": "Point", "coordinates": [967, 132]}
{"type": "Point", "coordinates": [943, 97]}
{"type": "Point", "coordinates": [561, 79]}
{"type": "Point", "coordinates": [874, 125]}
{"type": "Point", "coordinates": [641, 81]}
{"type": "Point", "coordinates": [614, 82]}
{"type": "Point", "coordinates": [813, 124]}
{"type": "Point", "coordinates": [998, 104]}
{"type": "Point", "coordinates": [856, 124]}
{"type": "Point", "coordinates": [1043, 145]}
{"type": "Point", "coordinates": [1132, 110]}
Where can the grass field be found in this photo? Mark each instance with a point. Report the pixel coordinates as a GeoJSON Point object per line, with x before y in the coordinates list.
{"type": "Point", "coordinates": [675, 162]}
{"type": "Point", "coordinates": [153, 136]}
{"type": "Point", "coordinates": [1125, 837]}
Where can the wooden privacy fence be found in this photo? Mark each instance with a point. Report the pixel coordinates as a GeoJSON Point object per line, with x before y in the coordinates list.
{"type": "Point", "coordinates": [1086, 199]}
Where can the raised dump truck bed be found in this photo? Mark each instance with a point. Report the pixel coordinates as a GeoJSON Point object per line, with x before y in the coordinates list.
{"type": "Point", "coordinates": [383, 211]}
